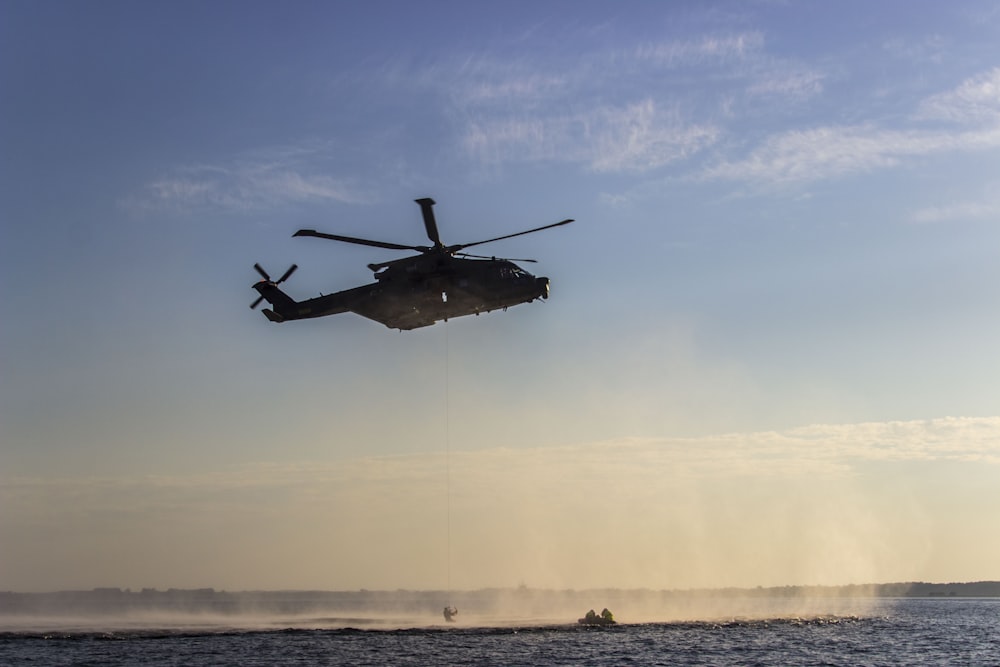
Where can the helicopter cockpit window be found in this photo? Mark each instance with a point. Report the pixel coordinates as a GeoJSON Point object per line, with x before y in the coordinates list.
{"type": "Point", "coordinates": [512, 272]}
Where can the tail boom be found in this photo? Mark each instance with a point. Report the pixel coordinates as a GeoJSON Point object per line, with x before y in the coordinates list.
{"type": "Point", "coordinates": [285, 308]}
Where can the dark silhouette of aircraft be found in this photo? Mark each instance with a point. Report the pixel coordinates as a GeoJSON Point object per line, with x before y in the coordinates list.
{"type": "Point", "coordinates": [437, 284]}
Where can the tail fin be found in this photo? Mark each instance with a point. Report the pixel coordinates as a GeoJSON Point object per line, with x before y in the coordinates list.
{"type": "Point", "coordinates": [273, 316]}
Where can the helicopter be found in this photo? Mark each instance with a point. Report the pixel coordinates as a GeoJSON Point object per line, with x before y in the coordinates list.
{"type": "Point", "coordinates": [439, 283]}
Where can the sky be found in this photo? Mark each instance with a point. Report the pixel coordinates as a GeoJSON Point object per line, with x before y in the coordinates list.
{"type": "Point", "coordinates": [769, 356]}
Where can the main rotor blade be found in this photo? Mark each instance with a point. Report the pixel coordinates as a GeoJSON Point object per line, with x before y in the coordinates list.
{"type": "Point", "coordinates": [367, 242]}
{"type": "Point", "coordinates": [456, 248]}
{"type": "Point", "coordinates": [427, 209]}
{"type": "Point", "coordinates": [262, 272]}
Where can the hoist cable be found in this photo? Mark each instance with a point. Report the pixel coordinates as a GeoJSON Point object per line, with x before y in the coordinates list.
{"type": "Point", "coordinates": [447, 456]}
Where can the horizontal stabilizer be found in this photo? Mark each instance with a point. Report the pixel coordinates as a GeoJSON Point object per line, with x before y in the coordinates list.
{"type": "Point", "coordinates": [273, 316]}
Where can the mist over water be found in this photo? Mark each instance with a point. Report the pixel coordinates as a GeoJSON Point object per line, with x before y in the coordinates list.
{"type": "Point", "coordinates": [80, 612]}
{"type": "Point", "coordinates": [897, 632]}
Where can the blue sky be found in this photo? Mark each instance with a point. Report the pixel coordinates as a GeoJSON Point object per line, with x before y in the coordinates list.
{"type": "Point", "coordinates": [787, 225]}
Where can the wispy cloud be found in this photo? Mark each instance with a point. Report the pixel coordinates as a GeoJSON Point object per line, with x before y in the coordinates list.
{"type": "Point", "coordinates": [520, 112]}
{"type": "Point", "coordinates": [976, 100]}
{"type": "Point", "coordinates": [969, 210]}
{"type": "Point", "coordinates": [640, 138]}
{"type": "Point", "coordinates": [609, 110]}
{"type": "Point", "coordinates": [709, 49]}
{"type": "Point", "coordinates": [263, 180]}
{"type": "Point", "coordinates": [637, 137]}
{"type": "Point", "coordinates": [791, 84]}
{"type": "Point", "coordinates": [619, 110]}
{"type": "Point", "coordinates": [806, 155]}
{"type": "Point", "coordinates": [833, 151]}
{"type": "Point", "coordinates": [817, 448]}
{"type": "Point", "coordinates": [508, 89]}
{"type": "Point", "coordinates": [836, 150]}
{"type": "Point", "coordinates": [645, 131]}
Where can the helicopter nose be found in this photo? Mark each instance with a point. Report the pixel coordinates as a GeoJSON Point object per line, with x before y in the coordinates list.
{"type": "Point", "coordinates": [543, 287]}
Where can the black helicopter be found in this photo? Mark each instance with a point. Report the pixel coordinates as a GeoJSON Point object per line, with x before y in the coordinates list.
{"type": "Point", "coordinates": [440, 283]}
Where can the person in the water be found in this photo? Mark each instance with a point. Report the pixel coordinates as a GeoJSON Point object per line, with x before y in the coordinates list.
{"type": "Point", "coordinates": [449, 613]}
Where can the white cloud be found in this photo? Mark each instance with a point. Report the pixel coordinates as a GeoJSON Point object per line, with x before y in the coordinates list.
{"type": "Point", "coordinates": [513, 111]}
{"type": "Point", "coordinates": [967, 439]}
{"type": "Point", "coordinates": [838, 150]}
{"type": "Point", "coordinates": [516, 88]}
{"type": "Point", "coordinates": [976, 100]}
{"type": "Point", "coordinates": [818, 449]}
{"type": "Point", "coordinates": [833, 151]}
{"type": "Point", "coordinates": [516, 111]}
{"type": "Point", "coordinates": [973, 210]}
{"type": "Point", "coordinates": [636, 137]}
{"type": "Point", "coordinates": [803, 155]}
{"type": "Point", "coordinates": [707, 49]}
{"type": "Point", "coordinates": [267, 179]}
{"type": "Point", "coordinates": [293, 186]}
{"type": "Point", "coordinates": [794, 84]}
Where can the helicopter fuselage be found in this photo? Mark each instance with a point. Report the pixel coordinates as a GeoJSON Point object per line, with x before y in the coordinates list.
{"type": "Point", "coordinates": [418, 294]}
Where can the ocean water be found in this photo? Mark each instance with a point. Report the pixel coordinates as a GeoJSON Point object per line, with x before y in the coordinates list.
{"type": "Point", "coordinates": [952, 631]}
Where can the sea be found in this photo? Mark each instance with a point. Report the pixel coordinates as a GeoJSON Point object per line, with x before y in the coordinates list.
{"type": "Point", "coordinates": [903, 631]}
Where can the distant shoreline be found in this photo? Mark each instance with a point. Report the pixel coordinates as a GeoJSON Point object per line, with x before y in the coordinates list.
{"type": "Point", "coordinates": [297, 602]}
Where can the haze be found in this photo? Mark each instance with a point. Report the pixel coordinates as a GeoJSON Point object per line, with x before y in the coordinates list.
{"type": "Point", "coordinates": [769, 356]}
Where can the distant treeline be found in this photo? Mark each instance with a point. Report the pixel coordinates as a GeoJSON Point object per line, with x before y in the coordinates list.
{"type": "Point", "coordinates": [207, 600]}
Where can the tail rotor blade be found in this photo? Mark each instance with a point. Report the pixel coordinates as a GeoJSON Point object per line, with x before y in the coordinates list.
{"type": "Point", "coordinates": [288, 274]}
{"type": "Point", "coordinates": [267, 279]}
